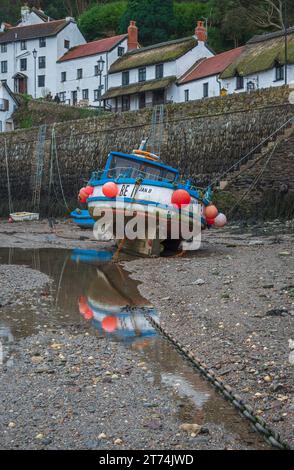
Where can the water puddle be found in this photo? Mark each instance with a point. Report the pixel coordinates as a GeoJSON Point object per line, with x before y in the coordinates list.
{"type": "Point", "coordinates": [88, 290]}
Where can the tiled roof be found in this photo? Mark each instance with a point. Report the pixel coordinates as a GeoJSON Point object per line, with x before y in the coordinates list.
{"type": "Point", "coordinates": [163, 52]}
{"type": "Point", "coordinates": [140, 87]}
{"type": "Point", "coordinates": [92, 48]}
{"type": "Point", "coordinates": [19, 33]}
{"type": "Point", "coordinates": [261, 55]}
{"type": "Point", "coordinates": [211, 66]}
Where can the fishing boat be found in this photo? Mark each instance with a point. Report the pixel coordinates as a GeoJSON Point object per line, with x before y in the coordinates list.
{"type": "Point", "coordinates": [140, 186]}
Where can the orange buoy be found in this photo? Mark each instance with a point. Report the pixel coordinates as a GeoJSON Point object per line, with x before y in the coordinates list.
{"type": "Point", "coordinates": [181, 198]}
{"type": "Point", "coordinates": [109, 324]}
{"type": "Point", "coordinates": [211, 212]}
{"type": "Point", "coordinates": [110, 189]}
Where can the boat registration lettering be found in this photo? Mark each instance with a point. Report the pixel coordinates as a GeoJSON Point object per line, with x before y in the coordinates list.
{"type": "Point", "coordinates": [124, 190]}
{"type": "Point", "coordinates": [142, 189]}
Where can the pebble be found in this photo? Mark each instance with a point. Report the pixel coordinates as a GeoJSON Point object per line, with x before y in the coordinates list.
{"type": "Point", "coordinates": [102, 435]}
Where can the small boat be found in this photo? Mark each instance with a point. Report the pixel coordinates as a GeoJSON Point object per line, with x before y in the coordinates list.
{"type": "Point", "coordinates": [24, 216]}
{"type": "Point", "coordinates": [140, 186]}
{"type": "Point", "coordinates": [82, 218]}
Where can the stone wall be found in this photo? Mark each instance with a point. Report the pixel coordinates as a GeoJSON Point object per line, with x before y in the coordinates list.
{"type": "Point", "coordinates": [203, 138]}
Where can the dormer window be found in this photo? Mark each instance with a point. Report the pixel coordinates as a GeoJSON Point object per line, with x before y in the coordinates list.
{"type": "Point", "coordinates": [279, 72]}
{"type": "Point", "coordinates": [120, 51]}
{"type": "Point", "coordinates": [239, 82]}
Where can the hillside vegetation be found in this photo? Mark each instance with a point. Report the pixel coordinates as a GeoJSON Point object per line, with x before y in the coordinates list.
{"type": "Point", "coordinates": [230, 22]}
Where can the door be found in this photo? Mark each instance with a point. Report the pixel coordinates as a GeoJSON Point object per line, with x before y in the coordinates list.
{"type": "Point", "coordinates": [74, 97]}
{"type": "Point", "coordinates": [20, 85]}
{"type": "Point", "coordinates": [158, 97]}
{"type": "Point", "coordinates": [142, 100]}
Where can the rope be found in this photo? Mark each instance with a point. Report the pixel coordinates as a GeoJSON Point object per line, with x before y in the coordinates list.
{"type": "Point", "coordinates": [256, 179]}
{"type": "Point", "coordinates": [251, 151]}
{"type": "Point", "coordinates": [10, 204]}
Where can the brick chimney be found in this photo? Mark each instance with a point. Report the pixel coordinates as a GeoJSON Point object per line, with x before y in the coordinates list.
{"type": "Point", "coordinates": [132, 36]}
{"type": "Point", "coordinates": [200, 32]}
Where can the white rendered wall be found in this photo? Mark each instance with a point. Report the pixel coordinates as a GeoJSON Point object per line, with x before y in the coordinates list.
{"type": "Point", "coordinates": [6, 115]}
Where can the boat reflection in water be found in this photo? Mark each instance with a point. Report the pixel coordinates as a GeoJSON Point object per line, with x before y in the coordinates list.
{"type": "Point", "coordinates": [113, 304]}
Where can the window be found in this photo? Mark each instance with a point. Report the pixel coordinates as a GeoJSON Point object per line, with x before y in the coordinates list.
{"type": "Point", "coordinates": [66, 44]}
{"type": "Point", "coordinates": [279, 72]}
{"type": "Point", "coordinates": [159, 71]}
{"type": "Point", "coordinates": [205, 90]}
{"type": "Point", "coordinates": [142, 74]}
{"type": "Point", "coordinates": [85, 94]}
{"type": "Point", "coordinates": [4, 66]}
{"type": "Point", "coordinates": [239, 82]}
{"type": "Point", "coordinates": [42, 42]}
{"type": "Point", "coordinates": [23, 45]}
{"type": "Point", "coordinates": [125, 103]}
{"type": "Point", "coordinates": [42, 62]}
{"type": "Point", "coordinates": [96, 70]}
{"type": "Point", "coordinates": [125, 78]}
{"type": "Point", "coordinates": [63, 76]}
{"type": "Point", "coordinates": [62, 96]}
{"type": "Point", "coordinates": [79, 74]}
{"type": "Point", "coordinates": [120, 51]}
{"type": "Point", "coordinates": [4, 47]}
{"type": "Point", "coordinates": [97, 95]}
{"type": "Point", "coordinates": [186, 95]}
{"type": "Point", "coordinates": [23, 64]}
{"type": "Point", "coordinates": [41, 81]}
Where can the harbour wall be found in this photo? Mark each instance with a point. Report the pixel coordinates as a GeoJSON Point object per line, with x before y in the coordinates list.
{"type": "Point", "coordinates": [203, 138]}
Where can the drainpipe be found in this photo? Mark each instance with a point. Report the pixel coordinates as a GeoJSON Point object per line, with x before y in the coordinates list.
{"type": "Point", "coordinates": [219, 84]}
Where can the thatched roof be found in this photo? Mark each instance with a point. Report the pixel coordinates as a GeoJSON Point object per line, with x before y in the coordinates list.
{"type": "Point", "coordinates": [262, 53]}
{"type": "Point", "coordinates": [150, 85]}
{"type": "Point", "coordinates": [156, 54]}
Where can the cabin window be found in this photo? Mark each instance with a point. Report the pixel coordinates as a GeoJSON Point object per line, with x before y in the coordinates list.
{"type": "Point", "coordinates": [125, 78]}
{"type": "Point", "coordinates": [279, 72]}
{"type": "Point", "coordinates": [142, 74]}
{"type": "Point", "coordinates": [239, 82]}
{"type": "Point", "coordinates": [63, 76]}
{"type": "Point", "coordinates": [4, 67]}
{"type": "Point", "coordinates": [42, 62]}
{"type": "Point", "coordinates": [187, 95]}
{"type": "Point", "coordinates": [159, 71]}
{"type": "Point", "coordinates": [41, 81]}
{"type": "Point", "coordinates": [205, 90]}
{"type": "Point", "coordinates": [23, 45]}
{"type": "Point", "coordinates": [79, 74]}
{"type": "Point", "coordinates": [4, 47]}
{"type": "Point", "coordinates": [127, 168]}
{"type": "Point", "coordinates": [126, 103]}
{"type": "Point", "coordinates": [42, 42]}
{"type": "Point", "coordinates": [120, 51]}
{"type": "Point", "coordinates": [23, 64]}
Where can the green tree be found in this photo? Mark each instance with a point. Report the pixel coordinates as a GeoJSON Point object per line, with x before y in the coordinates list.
{"type": "Point", "coordinates": [187, 14]}
{"type": "Point", "coordinates": [155, 20]}
{"type": "Point", "coordinates": [102, 20]}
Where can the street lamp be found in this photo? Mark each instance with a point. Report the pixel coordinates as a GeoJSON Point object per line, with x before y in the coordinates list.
{"type": "Point", "coordinates": [100, 63]}
{"type": "Point", "coordinates": [35, 53]}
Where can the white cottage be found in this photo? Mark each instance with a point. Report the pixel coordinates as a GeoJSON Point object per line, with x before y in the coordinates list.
{"type": "Point", "coordinates": [202, 80]}
{"type": "Point", "coordinates": [261, 63]}
{"type": "Point", "coordinates": [29, 51]}
{"type": "Point", "coordinates": [82, 72]}
{"type": "Point", "coordinates": [8, 104]}
{"type": "Point", "coordinates": [147, 76]}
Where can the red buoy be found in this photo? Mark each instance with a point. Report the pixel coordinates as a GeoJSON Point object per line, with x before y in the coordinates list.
{"type": "Point", "coordinates": [181, 198]}
{"type": "Point", "coordinates": [89, 190]}
{"type": "Point", "coordinates": [110, 189]}
{"type": "Point", "coordinates": [109, 324]}
{"type": "Point", "coordinates": [209, 221]}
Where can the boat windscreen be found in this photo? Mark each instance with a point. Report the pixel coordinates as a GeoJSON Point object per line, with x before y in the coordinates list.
{"type": "Point", "coordinates": [127, 168]}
